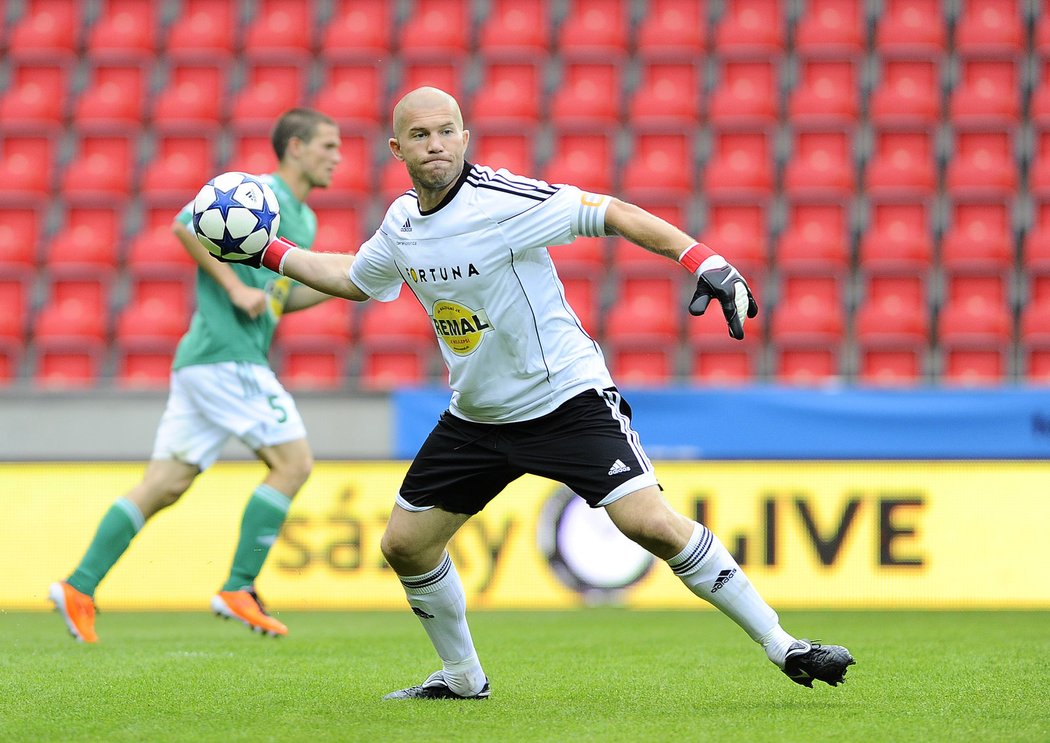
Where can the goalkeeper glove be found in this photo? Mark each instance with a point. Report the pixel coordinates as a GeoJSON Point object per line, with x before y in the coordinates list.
{"type": "Point", "coordinates": [271, 257]}
{"type": "Point", "coordinates": [717, 279]}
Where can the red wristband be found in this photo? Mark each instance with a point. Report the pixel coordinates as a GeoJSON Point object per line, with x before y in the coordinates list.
{"type": "Point", "coordinates": [273, 255]}
{"type": "Point", "coordinates": [694, 255]}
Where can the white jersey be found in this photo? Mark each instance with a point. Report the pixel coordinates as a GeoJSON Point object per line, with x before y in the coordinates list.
{"type": "Point", "coordinates": [478, 263]}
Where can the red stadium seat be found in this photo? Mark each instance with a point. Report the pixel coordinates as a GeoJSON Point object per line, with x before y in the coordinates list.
{"type": "Point", "coordinates": [826, 93]}
{"type": "Point", "coordinates": [979, 238]}
{"type": "Point", "coordinates": [1041, 32]}
{"type": "Point", "coordinates": [583, 293]}
{"type": "Point", "coordinates": [717, 358]}
{"type": "Point", "coordinates": [990, 27]}
{"type": "Point", "coordinates": [48, 28]}
{"type": "Point", "coordinates": [339, 229]}
{"type": "Point", "coordinates": [899, 237]}
{"type": "Point", "coordinates": [445, 73]}
{"type": "Point", "coordinates": [907, 92]}
{"type": "Point", "coordinates": [517, 28]}
{"type": "Point", "coordinates": [817, 234]}
{"type": "Point", "coordinates": [104, 167]}
{"type": "Point", "coordinates": [89, 240]}
{"type": "Point", "coordinates": [26, 166]}
{"type": "Point", "coordinates": [352, 179]}
{"type": "Point", "coordinates": [358, 30]}
{"type": "Point", "coordinates": [663, 162]}
{"type": "Point", "coordinates": [144, 366]}
{"type": "Point", "coordinates": [396, 322]}
{"type": "Point", "coordinates": [328, 322]}
{"type": "Point", "coordinates": [280, 29]}
{"type": "Point", "coordinates": [740, 165]}
{"type": "Point", "coordinates": [821, 164]}
{"type": "Point", "coordinates": [982, 164]}
{"type": "Point", "coordinates": [975, 341]}
{"type": "Point", "coordinates": [68, 364]}
{"type": "Point", "coordinates": [390, 368]}
{"type": "Point", "coordinates": [589, 93]}
{"type": "Point", "coordinates": [892, 341]}
{"type": "Point", "coordinates": [751, 27]}
{"type": "Point", "coordinates": [20, 231]}
{"type": "Point", "coordinates": [582, 159]}
{"type": "Point", "coordinates": [180, 165]}
{"type": "Point", "coordinates": [738, 230]}
{"type": "Point", "coordinates": [78, 309]}
{"type": "Point", "coordinates": [668, 95]}
{"type": "Point", "coordinates": [313, 345]}
{"type": "Point", "coordinates": [598, 28]}
{"type": "Point", "coordinates": [911, 27]}
{"type": "Point", "coordinates": [436, 29]}
{"type": "Point", "coordinates": [510, 94]}
{"type": "Point", "coordinates": [747, 93]}
{"type": "Point", "coordinates": [672, 30]}
{"type": "Point", "coordinates": [37, 96]}
{"type": "Point", "coordinates": [584, 256]}
{"type": "Point", "coordinates": [270, 90]}
{"type": "Point", "coordinates": [125, 29]}
{"type": "Point", "coordinates": [207, 30]}
{"type": "Point", "coordinates": [988, 92]}
{"type": "Point", "coordinates": [806, 337]}
{"type": "Point", "coordinates": [903, 161]}
{"type": "Point", "coordinates": [1034, 342]}
{"type": "Point", "coordinates": [510, 150]}
{"type": "Point", "coordinates": [353, 94]}
{"type": "Point", "coordinates": [253, 153]}
{"type": "Point", "coordinates": [193, 97]}
{"type": "Point", "coordinates": [641, 364]}
{"type": "Point", "coordinates": [114, 99]}
{"type": "Point", "coordinates": [831, 26]}
{"type": "Point", "coordinates": [173, 289]}
{"type": "Point", "coordinates": [312, 367]}
{"type": "Point", "coordinates": [155, 248]}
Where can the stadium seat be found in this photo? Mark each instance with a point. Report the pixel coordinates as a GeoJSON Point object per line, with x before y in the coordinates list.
{"type": "Point", "coordinates": [358, 30]}
{"type": "Point", "coordinates": [1039, 168]}
{"type": "Point", "coordinates": [509, 94]}
{"type": "Point", "coordinates": [975, 341]}
{"type": "Point", "coordinates": [77, 309]}
{"type": "Point", "coordinates": [89, 240]}
{"type": "Point", "coordinates": [104, 167]}
{"type": "Point", "coordinates": [903, 162]}
{"type": "Point", "coordinates": [583, 293]}
{"type": "Point", "coordinates": [739, 231]}
{"type": "Point", "coordinates": [446, 73]}
{"type": "Point", "coordinates": [816, 234]}
{"type": "Point", "coordinates": [595, 28]}
{"type": "Point", "coordinates": [124, 29]}
{"type": "Point", "coordinates": [510, 150]}
{"type": "Point", "coordinates": [270, 90]}
{"type": "Point", "coordinates": [806, 337]}
{"type": "Point", "coordinates": [172, 289]}
{"type": "Point", "coordinates": [353, 93]}
{"type": "Point", "coordinates": [150, 321]}
{"type": "Point", "coordinates": [898, 238]}
{"type": "Point", "coordinates": [397, 322]}
{"type": "Point", "coordinates": [821, 163]}
{"type": "Point", "coordinates": [979, 238]}
{"type": "Point", "coordinates": [741, 165]}
{"type": "Point", "coordinates": [339, 229]}
{"type": "Point", "coordinates": [436, 29]}
{"type": "Point", "coordinates": [180, 165]}
{"type": "Point", "coordinates": [831, 27]}
{"type": "Point", "coordinates": [393, 180]}
{"type": "Point", "coordinates": [747, 92]}
{"type": "Point", "coordinates": [47, 29]}
{"type": "Point", "coordinates": [826, 92]}
{"type": "Point", "coordinates": [15, 294]}
{"type": "Point", "coordinates": [37, 96]}
{"type": "Point", "coordinates": [584, 256]}
{"type": "Point", "coordinates": [637, 364]}
{"type": "Point", "coordinates": [280, 29]}
{"type": "Point", "coordinates": [986, 27]}
{"type": "Point", "coordinates": [312, 345]}
{"type": "Point", "coordinates": [1035, 254]}
{"type": "Point", "coordinates": [583, 159]}
{"type": "Point", "coordinates": [892, 339]}
{"type": "Point", "coordinates": [26, 166]}
{"type": "Point", "coordinates": [588, 93]}
{"type": "Point", "coordinates": [68, 363]}
{"type": "Point", "coordinates": [253, 153]}
{"type": "Point", "coordinates": [673, 30]}
{"type": "Point", "coordinates": [668, 94]}
{"type": "Point", "coordinates": [144, 366]}
{"type": "Point", "coordinates": [353, 178]}
{"type": "Point", "coordinates": [207, 30]}
{"type": "Point", "coordinates": [987, 93]}
{"type": "Point", "coordinates": [303, 366]}
{"type": "Point", "coordinates": [982, 164]}
{"type": "Point", "coordinates": [751, 27]}
{"type": "Point", "coordinates": [114, 100]}
{"type": "Point", "coordinates": [716, 358]}
{"type": "Point", "coordinates": [911, 27]}
{"type": "Point", "coordinates": [647, 311]}
{"type": "Point", "coordinates": [193, 97]}
{"type": "Point", "coordinates": [907, 92]}
{"type": "Point", "coordinates": [1041, 33]}
{"type": "Point", "coordinates": [391, 368]}
{"type": "Point", "coordinates": [21, 228]}
{"type": "Point", "coordinates": [1034, 342]}
{"type": "Point", "coordinates": [661, 163]}
{"type": "Point", "coordinates": [154, 247]}
{"type": "Point", "coordinates": [330, 321]}
{"type": "Point", "coordinates": [515, 28]}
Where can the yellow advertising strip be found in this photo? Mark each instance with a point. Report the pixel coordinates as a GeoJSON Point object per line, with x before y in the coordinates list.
{"type": "Point", "coordinates": [809, 534]}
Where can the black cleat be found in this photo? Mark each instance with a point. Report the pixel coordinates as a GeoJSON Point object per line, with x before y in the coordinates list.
{"type": "Point", "coordinates": [808, 661]}
{"type": "Point", "coordinates": [435, 688]}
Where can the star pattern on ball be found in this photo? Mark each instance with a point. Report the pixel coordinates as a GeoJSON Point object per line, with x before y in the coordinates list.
{"type": "Point", "coordinates": [224, 201]}
{"type": "Point", "coordinates": [265, 215]}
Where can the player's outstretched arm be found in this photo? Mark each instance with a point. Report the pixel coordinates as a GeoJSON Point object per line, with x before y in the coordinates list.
{"type": "Point", "coordinates": [715, 277]}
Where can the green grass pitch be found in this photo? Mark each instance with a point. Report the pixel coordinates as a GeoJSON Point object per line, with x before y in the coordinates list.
{"type": "Point", "coordinates": [594, 674]}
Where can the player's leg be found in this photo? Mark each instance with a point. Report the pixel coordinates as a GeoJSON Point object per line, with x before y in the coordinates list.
{"type": "Point", "coordinates": [454, 475]}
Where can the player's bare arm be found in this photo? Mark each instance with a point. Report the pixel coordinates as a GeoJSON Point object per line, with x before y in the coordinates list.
{"type": "Point", "coordinates": [645, 229]}
{"type": "Point", "coordinates": [328, 273]}
{"type": "Point", "coordinates": [247, 299]}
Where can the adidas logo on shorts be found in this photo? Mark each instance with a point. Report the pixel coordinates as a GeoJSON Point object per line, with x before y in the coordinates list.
{"type": "Point", "coordinates": [618, 468]}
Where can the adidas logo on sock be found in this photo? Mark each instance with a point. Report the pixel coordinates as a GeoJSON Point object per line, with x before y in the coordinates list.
{"type": "Point", "coordinates": [618, 468]}
{"type": "Point", "coordinates": [421, 614]}
{"type": "Point", "coordinates": [407, 226]}
{"type": "Point", "coordinates": [723, 578]}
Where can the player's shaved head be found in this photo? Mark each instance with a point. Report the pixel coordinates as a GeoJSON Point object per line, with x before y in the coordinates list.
{"type": "Point", "coordinates": [425, 99]}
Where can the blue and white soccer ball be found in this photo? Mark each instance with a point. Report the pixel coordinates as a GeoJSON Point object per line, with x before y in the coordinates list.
{"type": "Point", "coordinates": [235, 215]}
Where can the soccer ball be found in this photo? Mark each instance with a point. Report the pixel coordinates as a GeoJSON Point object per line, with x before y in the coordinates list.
{"type": "Point", "coordinates": [235, 215]}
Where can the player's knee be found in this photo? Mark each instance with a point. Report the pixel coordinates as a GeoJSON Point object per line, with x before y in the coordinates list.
{"type": "Point", "coordinates": [655, 532]}
{"type": "Point", "coordinates": [401, 553]}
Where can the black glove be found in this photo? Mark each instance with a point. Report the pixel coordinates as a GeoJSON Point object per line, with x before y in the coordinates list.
{"type": "Point", "coordinates": [727, 286]}
{"type": "Point", "coordinates": [270, 256]}
{"type": "Point", "coordinates": [254, 260]}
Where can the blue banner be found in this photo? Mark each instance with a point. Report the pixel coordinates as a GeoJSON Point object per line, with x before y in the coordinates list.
{"type": "Point", "coordinates": [791, 423]}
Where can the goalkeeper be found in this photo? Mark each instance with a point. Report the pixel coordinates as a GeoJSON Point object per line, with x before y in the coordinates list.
{"type": "Point", "coordinates": [222, 386]}
{"type": "Point", "coordinates": [531, 392]}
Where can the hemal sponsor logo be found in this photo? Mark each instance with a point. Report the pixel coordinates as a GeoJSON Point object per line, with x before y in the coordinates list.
{"type": "Point", "coordinates": [459, 327]}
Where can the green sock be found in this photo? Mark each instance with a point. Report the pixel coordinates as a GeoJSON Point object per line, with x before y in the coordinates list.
{"type": "Point", "coordinates": [115, 532]}
{"type": "Point", "coordinates": [262, 520]}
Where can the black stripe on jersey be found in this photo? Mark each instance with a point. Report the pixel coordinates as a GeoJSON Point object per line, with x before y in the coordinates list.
{"type": "Point", "coordinates": [518, 181]}
{"type": "Point", "coordinates": [514, 189]}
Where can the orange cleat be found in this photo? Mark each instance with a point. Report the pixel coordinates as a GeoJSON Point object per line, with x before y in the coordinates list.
{"type": "Point", "coordinates": [78, 609]}
{"type": "Point", "coordinates": [246, 607]}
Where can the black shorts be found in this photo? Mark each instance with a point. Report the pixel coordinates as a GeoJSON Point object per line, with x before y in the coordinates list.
{"type": "Point", "coordinates": [587, 444]}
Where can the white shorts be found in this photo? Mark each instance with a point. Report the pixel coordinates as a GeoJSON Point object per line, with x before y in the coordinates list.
{"type": "Point", "coordinates": [208, 403]}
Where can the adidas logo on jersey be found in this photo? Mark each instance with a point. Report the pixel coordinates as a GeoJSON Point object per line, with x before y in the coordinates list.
{"type": "Point", "coordinates": [618, 468]}
{"type": "Point", "coordinates": [407, 226]}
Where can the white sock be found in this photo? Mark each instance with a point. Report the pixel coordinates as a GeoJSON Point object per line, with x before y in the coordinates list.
{"type": "Point", "coordinates": [707, 568]}
{"type": "Point", "coordinates": [437, 598]}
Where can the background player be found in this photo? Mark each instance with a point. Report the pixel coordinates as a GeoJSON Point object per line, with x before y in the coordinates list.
{"type": "Point", "coordinates": [222, 386]}
{"type": "Point", "coordinates": [531, 390]}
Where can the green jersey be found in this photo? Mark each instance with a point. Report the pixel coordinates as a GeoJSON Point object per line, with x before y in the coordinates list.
{"type": "Point", "coordinates": [221, 332]}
